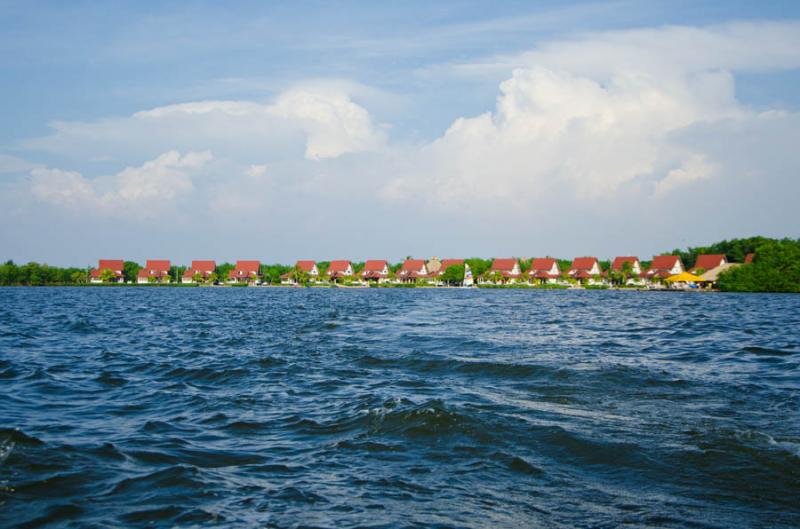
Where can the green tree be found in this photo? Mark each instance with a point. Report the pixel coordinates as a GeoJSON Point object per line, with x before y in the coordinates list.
{"type": "Point", "coordinates": [478, 266]}
{"type": "Point", "coordinates": [106, 275]}
{"type": "Point", "coordinates": [130, 271]}
{"type": "Point", "coordinates": [223, 271]}
{"type": "Point", "coordinates": [454, 275]}
{"type": "Point", "coordinates": [300, 276]}
{"type": "Point", "coordinates": [776, 268]}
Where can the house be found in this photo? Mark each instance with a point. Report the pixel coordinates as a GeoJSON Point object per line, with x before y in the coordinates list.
{"type": "Point", "coordinates": [508, 269]}
{"type": "Point", "coordinates": [447, 263]}
{"type": "Point", "coordinates": [339, 270]}
{"type": "Point", "coordinates": [434, 266]}
{"type": "Point", "coordinates": [585, 269]}
{"type": "Point", "coordinates": [712, 276]}
{"type": "Point", "coordinates": [544, 270]}
{"type": "Point", "coordinates": [749, 258]}
{"type": "Point", "coordinates": [156, 270]}
{"type": "Point", "coordinates": [245, 272]}
{"type": "Point", "coordinates": [412, 270]}
{"type": "Point", "coordinates": [203, 268]}
{"type": "Point", "coordinates": [307, 266]}
{"type": "Point", "coordinates": [664, 266]}
{"type": "Point", "coordinates": [618, 266]}
{"type": "Point", "coordinates": [376, 270]}
{"type": "Point", "coordinates": [115, 265]}
{"type": "Point", "coordinates": [708, 261]}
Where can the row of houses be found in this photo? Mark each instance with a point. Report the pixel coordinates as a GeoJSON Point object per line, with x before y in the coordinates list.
{"type": "Point", "coordinates": [546, 270]}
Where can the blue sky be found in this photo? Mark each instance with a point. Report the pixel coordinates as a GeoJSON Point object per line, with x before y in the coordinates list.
{"type": "Point", "coordinates": [362, 129]}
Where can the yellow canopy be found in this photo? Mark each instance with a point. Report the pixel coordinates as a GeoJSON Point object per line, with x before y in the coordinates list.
{"type": "Point", "coordinates": [686, 277]}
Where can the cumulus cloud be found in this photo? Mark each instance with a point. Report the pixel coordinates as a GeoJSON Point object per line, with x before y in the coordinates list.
{"type": "Point", "coordinates": [597, 116]}
{"type": "Point", "coordinates": [734, 46]}
{"type": "Point", "coordinates": [320, 122]}
{"type": "Point", "coordinates": [587, 135]}
{"type": "Point", "coordinates": [141, 190]}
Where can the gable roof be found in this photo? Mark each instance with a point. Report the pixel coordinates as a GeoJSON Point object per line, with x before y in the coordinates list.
{"type": "Point", "coordinates": [620, 261]}
{"type": "Point", "coordinates": [412, 265]}
{"type": "Point", "coordinates": [664, 262]}
{"type": "Point", "coordinates": [504, 265]}
{"type": "Point", "coordinates": [306, 265]}
{"type": "Point", "coordinates": [583, 264]}
{"type": "Point", "coordinates": [338, 267]}
{"type": "Point", "coordinates": [203, 266]}
{"type": "Point", "coordinates": [155, 268]}
{"type": "Point", "coordinates": [375, 265]}
{"type": "Point", "coordinates": [543, 263]}
{"type": "Point", "coordinates": [541, 266]}
{"type": "Point", "coordinates": [245, 268]}
{"type": "Point", "coordinates": [248, 266]}
{"type": "Point", "coordinates": [111, 264]}
{"type": "Point", "coordinates": [159, 265]}
{"type": "Point", "coordinates": [115, 265]}
{"type": "Point", "coordinates": [709, 261]}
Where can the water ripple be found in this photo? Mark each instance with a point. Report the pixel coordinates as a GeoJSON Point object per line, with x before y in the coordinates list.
{"type": "Point", "coordinates": [398, 408]}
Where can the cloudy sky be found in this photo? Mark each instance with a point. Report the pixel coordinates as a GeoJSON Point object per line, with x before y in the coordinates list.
{"type": "Point", "coordinates": [360, 130]}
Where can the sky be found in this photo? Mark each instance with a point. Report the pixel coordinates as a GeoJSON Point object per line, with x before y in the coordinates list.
{"type": "Point", "coordinates": [365, 130]}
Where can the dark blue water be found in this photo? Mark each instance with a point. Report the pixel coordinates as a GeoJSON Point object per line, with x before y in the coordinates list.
{"type": "Point", "coordinates": [132, 407]}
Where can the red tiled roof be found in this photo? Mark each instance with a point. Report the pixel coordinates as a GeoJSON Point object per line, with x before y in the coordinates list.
{"type": "Point", "coordinates": [583, 263]}
{"type": "Point", "coordinates": [748, 258]}
{"type": "Point", "coordinates": [245, 269]}
{"type": "Point", "coordinates": [159, 265]}
{"type": "Point", "coordinates": [582, 274]}
{"type": "Point", "coordinates": [412, 265]}
{"type": "Point", "coordinates": [540, 267]}
{"type": "Point", "coordinates": [115, 265]}
{"type": "Point", "coordinates": [664, 262]}
{"type": "Point", "coordinates": [155, 268]}
{"type": "Point", "coordinates": [619, 261]}
{"type": "Point", "coordinates": [503, 265]}
{"type": "Point", "coordinates": [248, 266]}
{"type": "Point", "coordinates": [111, 264]}
{"type": "Point", "coordinates": [411, 268]}
{"type": "Point", "coordinates": [662, 265]}
{"type": "Point", "coordinates": [709, 261]}
{"type": "Point", "coordinates": [375, 265]}
{"type": "Point", "coordinates": [204, 268]}
{"type": "Point", "coordinates": [306, 266]}
{"type": "Point", "coordinates": [339, 266]}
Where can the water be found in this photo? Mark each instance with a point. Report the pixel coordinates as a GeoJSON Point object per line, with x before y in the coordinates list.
{"type": "Point", "coordinates": [395, 408]}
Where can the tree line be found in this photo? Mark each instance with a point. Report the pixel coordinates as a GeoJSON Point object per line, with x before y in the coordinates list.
{"type": "Point", "coordinates": [775, 268]}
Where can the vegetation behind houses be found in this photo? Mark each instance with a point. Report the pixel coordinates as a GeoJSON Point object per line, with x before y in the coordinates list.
{"type": "Point", "coordinates": [775, 267]}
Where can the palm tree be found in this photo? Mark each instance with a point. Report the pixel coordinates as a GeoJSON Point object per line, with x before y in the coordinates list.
{"type": "Point", "coordinates": [300, 276]}
{"type": "Point", "coordinates": [106, 275]}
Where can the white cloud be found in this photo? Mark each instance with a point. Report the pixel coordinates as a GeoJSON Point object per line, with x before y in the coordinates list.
{"type": "Point", "coordinates": [693, 169]}
{"type": "Point", "coordinates": [589, 118]}
{"type": "Point", "coordinates": [735, 46]}
{"type": "Point", "coordinates": [141, 191]}
{"type": "Point", "coordinates": [12, 164]}
{"type": "Point", "coordinates": [590, 145]}
{"type": "Point", "coordinates": [321, 121]}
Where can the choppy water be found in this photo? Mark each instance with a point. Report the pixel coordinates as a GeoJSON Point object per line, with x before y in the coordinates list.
{"type": "Point", "coordinates": [397, 408]}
